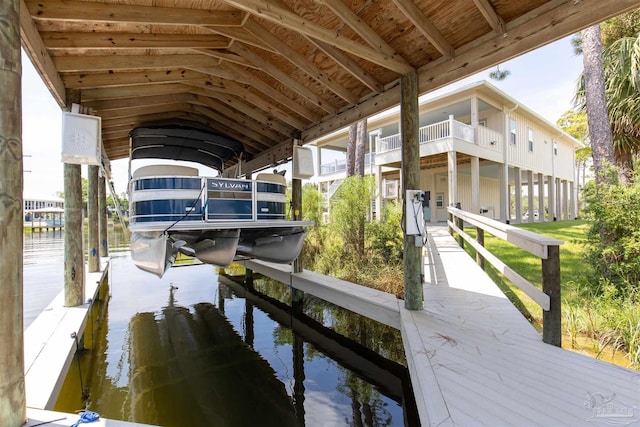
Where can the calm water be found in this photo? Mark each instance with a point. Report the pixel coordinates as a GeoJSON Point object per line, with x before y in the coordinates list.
{"type": "Point", "coordinates": [192, 350]}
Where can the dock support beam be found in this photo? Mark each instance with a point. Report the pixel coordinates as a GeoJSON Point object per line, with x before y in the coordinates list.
{"type": "Point", "coordinates": [409, 119]}
{"type": "Point", "coordinates": [102, 212]}
{"type": "Point", "coordinates": [12, 393]}
{"type": "Point", "coordinates": [92, 208]}
{"type": "Point", "coordinates": [297, 296]}
{"type": "Point", "coordinates": [73, 256]}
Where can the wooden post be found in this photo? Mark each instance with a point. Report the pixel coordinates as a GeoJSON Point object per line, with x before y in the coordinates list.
{"type": "Point", "coordinates": [551, 320]}
{"type": "Point", "coordinates": [102, 212]}
{"type": "Point", "coordinates": [93, 244]}
{"type": "Point", "coordinates": [297, 296]}
{"type": "Point", "coordinates": [12, 393]}
{"type": "Point", "coordinates": [296, 206]}
{"type": "Point", "coordinates": [409, 125]}
{"type": "Point", "coordinates": [73, 254]}
{"type": "Point", "coordinates": [480, 239]}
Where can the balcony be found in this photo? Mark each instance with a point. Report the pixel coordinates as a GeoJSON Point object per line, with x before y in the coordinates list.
{"type": "Point", "coordinates": [481, 136]}
{"type": "Point", "coordinates": [338, 166]}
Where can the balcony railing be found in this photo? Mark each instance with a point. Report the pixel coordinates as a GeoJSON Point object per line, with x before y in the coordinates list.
{"type": "Point", "coordinates": [341, 165]}
{"type": "Point", "coordinates": [430, 133]}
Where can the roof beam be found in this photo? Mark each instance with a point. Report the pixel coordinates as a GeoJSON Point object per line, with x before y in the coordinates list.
{"type": "Point", "coordinates": [96, 94]}
{"type": "Point", "coordinates": [91, 40]}
{"type": "Point", "coordinates": [252, 99]}
{"type": "Point", "coordinates": [140, 118]}
{"type": "Point", "coordinates": [225, 56]}
{"type": "Point", "coordinates": [492, 17]}
{"type": "Point", "coordinates": [139, 102]}
{"type": "Point", "coordinates": [249, 110]}
{"type": "Point", "coordinates": [349, 17]}
{"type": "Point", "coordinates": [274, 94]}
{"type": "Point", "coordinates": [74, 10]}
{"type": "Point", "coordinates": [240, 118]}
{"type": "Point", "coordinates": [298, 60]}
{"type": "Point", "coordinates": [71, 64]}
{"type": "Point", "coordinates": [349, 65]}
{"type": "Point", "coordinates": [152, 109]}
{"type": "Point", "coordinates": [249, 137]}
{"type": "Point", "coordinates": [37, 52]}
{"type": "Point", "coordinates": [87, 81]}
{"type": "Point", "coordinates": [549, 22]}
{"type": "Point", "coordinates": [282, 77]}
{"type": "Point", "coordinates": [285, 18]}
{"type": "Point", "coordinates": [424, 25]}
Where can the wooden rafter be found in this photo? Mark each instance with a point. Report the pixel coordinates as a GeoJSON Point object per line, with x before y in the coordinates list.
{"type": "Point", "coordinates": [225, 56]}
{"type": "Point", "coordinates": [89, 40]}
{"type": "Point", "coordinates": [425, 26]}
{"type": "Point", "coordinates": [94, 95]}
{"type": "Point", "coordinates": [238, 117]}
{"type": "Point", "coordinates": [239, 105]}
{"type": "Point", "coordinates": [88, 81]}
{"type": "Point", "coordinates": [349, 17]}
{"type": "Point", "coordinates": [253, 99]}
{"type": "Point", "coordinates": [282, 16]}
{"type": "Point", "coordinates": [274, 95]}
{"type": "Point", "coordinates": [123, 13]}
{"type": "Point", "coordinates": [103, 106]}
{"type": "Point", "coordinates": [298, 60]}
{"type": "Point", "coordinates": [250, 137]}
{"type": "Point", "coordinates": [282, 77]}
{"type": "Point", "coordinates": [71, 64]}
{"type": "Point", "coordinates": [149, 109]}
{"type": "Point", "coordinates": [492, 17]}
{"type": "Point", "coordinates": [35, 48]}
{"type": "Point", "coordinates": [348, 64]}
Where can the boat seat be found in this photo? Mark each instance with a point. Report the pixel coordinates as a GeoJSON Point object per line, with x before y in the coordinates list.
{"type": "Point", "coordinates": [276, 178]}
{"type": "Point", "coordinates": [165, 170]}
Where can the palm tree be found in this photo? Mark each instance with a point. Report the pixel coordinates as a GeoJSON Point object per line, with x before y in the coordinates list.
{"type": "Point", "coordinates": [621, 70]}
{"type": "Point", "coordinates": [593, 95]}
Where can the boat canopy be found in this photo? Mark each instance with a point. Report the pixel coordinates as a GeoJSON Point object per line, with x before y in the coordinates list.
{"type": "Point", "coordinates": [183, 143]}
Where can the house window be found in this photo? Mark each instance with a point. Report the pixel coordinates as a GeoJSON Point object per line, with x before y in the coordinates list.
{"type": "Point", "coordinates": [439, 200]}
{"type": "Point", "coordinates": [513, 131]}
{"type": "Point", "coordinates": [482, 123]}
{"type": "Point", "coordinates": [555, 148]}
{"type": "Point", "coordinates": [530, 139]}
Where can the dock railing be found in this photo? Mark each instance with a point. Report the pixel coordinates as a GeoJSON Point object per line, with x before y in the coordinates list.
{"type": "Point", "coordinates": [545, 248]}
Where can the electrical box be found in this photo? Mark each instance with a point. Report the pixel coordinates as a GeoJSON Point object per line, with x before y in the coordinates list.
{"type": "Point", "coordinates": [414, 219]}
{"type": "Point", "coordinates": [302, 162]}
{"type": "Point", "coordinates": [81, 137]}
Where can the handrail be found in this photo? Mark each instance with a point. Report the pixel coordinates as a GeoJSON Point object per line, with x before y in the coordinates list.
{"type": "Point", "coordinates": [545, 248]}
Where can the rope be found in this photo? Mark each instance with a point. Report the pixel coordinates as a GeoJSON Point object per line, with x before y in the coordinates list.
{"type": "Point", "coordinates": [193, 207]}
{"type": "Point", "coordinates": [87, 417]}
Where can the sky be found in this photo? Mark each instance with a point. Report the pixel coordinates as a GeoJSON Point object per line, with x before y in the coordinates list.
{"type": "Point", "coordinates": [544, 80]}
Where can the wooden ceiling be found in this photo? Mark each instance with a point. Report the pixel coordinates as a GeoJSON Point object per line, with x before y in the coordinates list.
{"type": "Point", "coordinates": [266, 71]}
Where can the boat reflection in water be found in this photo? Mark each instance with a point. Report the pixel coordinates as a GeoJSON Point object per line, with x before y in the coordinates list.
{"type": "Point", "coordinates": [195, 361]}
{"type": "Point", "coordinates": [195, 349]}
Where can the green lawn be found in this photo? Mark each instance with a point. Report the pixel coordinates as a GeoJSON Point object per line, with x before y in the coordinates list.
{"type": "Point", "coordinates": [602, 327]}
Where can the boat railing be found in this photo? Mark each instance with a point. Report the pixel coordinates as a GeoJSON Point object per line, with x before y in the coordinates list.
{"type": "Point", "coordinates": [180, 198]}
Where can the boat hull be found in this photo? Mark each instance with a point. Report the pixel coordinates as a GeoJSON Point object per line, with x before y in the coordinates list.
{"type": "Point", "coordinates": [212, 219]}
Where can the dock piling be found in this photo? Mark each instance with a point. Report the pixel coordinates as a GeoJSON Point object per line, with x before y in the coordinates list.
{"type": "Point", "coordinates": [12, 395]}
{"type": "Point", "coordinates": [102, 212]}
{"type": "Point", "coordinates": [92, 209]}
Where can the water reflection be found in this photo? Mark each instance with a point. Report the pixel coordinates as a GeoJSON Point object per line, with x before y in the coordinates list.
{"type": "Point", "coordinates": [188, 350]}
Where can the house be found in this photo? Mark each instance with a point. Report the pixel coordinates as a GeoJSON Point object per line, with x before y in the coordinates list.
{"type": "Point", "coordinates": [479, 148]}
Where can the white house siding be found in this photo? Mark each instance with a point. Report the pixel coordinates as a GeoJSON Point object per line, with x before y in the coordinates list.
{"type": "Point", "coordinates": [489, 194]}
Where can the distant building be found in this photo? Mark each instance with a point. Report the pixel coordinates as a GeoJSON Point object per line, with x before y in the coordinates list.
{"type": "Point", "coordinates": [33, 203]}
{"type": "Point", "coordinates": [479, 148]}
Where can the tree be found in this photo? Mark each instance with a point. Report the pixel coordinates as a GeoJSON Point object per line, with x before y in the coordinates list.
{"type": "Point", "coordinates": [600, 136]}
{"type": "Point", "coordinates": [621, 68]}
{"type": "Point", "coordinates": [574, 122]}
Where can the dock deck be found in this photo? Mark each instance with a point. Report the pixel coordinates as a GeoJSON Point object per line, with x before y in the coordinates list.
{"type": "Point", "coordinates": [473, 357]}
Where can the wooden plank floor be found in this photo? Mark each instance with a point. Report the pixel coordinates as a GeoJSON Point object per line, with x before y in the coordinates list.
{"type": "Point", "coordinates": [475, 360]}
